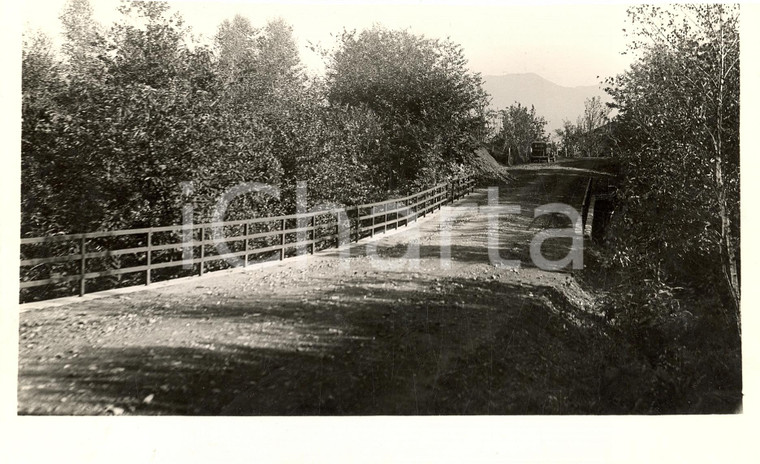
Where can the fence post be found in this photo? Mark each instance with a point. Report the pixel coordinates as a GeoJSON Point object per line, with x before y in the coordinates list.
{"type": "Point", "coordinates": [313, 234]}
{"type": "Point", "coordinates": [337, 230]}
{"type": "Point", "coordinates": [350, 225]}
{"type": "Point", "coordinates": [586, 203]}
{"type": "Point", "coordinates": [147, 271]}
{"type": "Point", "coordinates": [203, 249]}
{"type": "Point", "coordinates": [358, 223]}
{"type": "Point", "coordinates": [282, 239]}
{"type": "Point", "coordinates": [82, 266]}
{"type": "Point", "coordinates": [245, 233]}
{"type": "Point", "coordinates": [385, 218]}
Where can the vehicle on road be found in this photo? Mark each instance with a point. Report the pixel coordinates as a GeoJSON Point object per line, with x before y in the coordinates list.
{"type": "Point", "coordinates": [539, 153]}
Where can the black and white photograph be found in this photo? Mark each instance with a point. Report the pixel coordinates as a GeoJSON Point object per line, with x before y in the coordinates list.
{"type": "Point", "coordinates": [378, 211]}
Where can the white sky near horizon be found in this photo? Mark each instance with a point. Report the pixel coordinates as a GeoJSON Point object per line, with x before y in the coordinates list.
{"type": "Point", "coordinates": [568, 44]}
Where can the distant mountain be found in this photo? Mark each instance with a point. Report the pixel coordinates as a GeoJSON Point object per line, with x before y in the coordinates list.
{"type": "Point", "coordinates": [553, 102]}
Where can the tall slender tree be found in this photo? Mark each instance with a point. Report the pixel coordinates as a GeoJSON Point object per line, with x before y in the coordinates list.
{"type": "Point", "coordinates": [83, 38]}
{"type": "Point", "coordinates": [679, 112]}
{"type": "Point", "coordinates": [236, 48]}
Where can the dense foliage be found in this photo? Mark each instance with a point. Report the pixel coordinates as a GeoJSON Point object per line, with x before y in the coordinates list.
{"type": "Point", "coordinates": [134, 113]}
{"type": "Point", "coordinates": [672, 260]}
{"type": "Point", "coordinates": [517, 127]}
{"type": "Point", "coordinates": [430, 107]}
{"type": "Point", "coordinates": [122, 117]}
{"type": "Point", "coordinates": [679, 123]}
{"type": "Point", "coordinates": [591, 135]}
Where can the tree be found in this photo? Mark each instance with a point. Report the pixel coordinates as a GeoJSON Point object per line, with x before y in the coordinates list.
{"type": "Point", "coordinates": [594, 114]}
{"type": "Point", "coordinates": [520, 127]}
{"type": "Point", "coordinates": [592, 124]}
{"type": "Point", "coordinates": [591, 138]}
{"type": "Point", "coordinates": [235, 45]}
{"type": "Point", "coordinates": [147, 45]}
{"type": "Point", "coordinates": [179, 123]}
{"type": "Point", "coordinates": [278, 59]}
{"type": "Point", "coordinates": [261, 83]}
{"type": "Point", "coordinates": [679, 120]}
{"type": "Point", "coordinates": [343, 155]}
{"type": "Point", "coordinates": [430, 106]}
{"type": "Point", "coordinates": [131, 112]}
{"type": "Point", "coordinates": [109, 150]}
{"type": "Point", "coordinates": [257, 64]}
{"type": "Point", "coordinates": [569, 137]}
{"type": "Point", "coordinates": [41, 88]}
{"type": "Point", "coordinates": [84, 40]}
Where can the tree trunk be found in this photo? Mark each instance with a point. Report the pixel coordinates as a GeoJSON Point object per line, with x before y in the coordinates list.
{"type": "Point", "coordinates": [727, 245]}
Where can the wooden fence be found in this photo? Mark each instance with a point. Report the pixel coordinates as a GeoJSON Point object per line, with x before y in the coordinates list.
{"type": "Point", "coordinates": [75, 259]}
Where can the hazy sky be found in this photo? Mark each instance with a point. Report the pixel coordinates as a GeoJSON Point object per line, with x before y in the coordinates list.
{"type": "Point", "coordinates": [569, 44]}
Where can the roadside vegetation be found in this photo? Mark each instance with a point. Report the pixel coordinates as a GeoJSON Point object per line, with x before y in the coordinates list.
{"type": "Point", "coordinates": [590, 136]}
{"type": "Point", "coordinates": [670, 269]}
{"type": "Point", "coordinates": [122, 115]}
{"type": "Point", "coordinates": [513, 130]}
{"type": "Point", "coordinates": [133, 124]}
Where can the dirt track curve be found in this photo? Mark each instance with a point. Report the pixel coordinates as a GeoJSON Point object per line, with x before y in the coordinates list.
{"type": "Point", "coordinates": [366, 335]}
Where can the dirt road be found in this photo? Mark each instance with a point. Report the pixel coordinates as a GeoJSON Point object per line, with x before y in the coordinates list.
{"type": "Point", "coordinates": [372, 334]}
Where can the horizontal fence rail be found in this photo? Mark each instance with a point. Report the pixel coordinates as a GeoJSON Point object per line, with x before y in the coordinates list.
{"type": "Point", "coordinates": [194, 248]}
